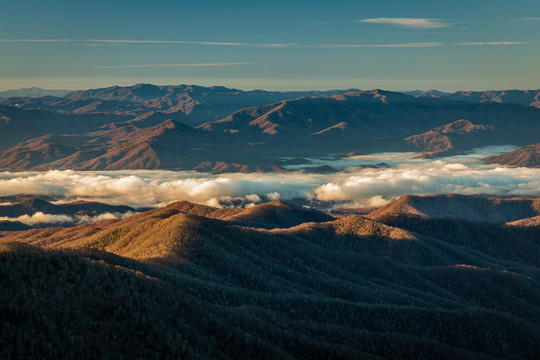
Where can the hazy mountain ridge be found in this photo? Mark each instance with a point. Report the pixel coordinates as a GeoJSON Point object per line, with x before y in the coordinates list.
{"type": "Point", "coordinates": [252, 139]}
{"type": "Point", "coordinates": [33, 92]}
{"type": "Point", "coordinates": [18, 125]}
{"type": "Point", "coordinates": [347, 287]}
{"type": "Point", "coordinates": [521, 97]}
{"type": "Point", "coordinates": [190, 104]}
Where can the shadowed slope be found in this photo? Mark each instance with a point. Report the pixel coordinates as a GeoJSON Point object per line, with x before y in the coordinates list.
{"type": "Point", "coordinates": [351, 284]}
{"type": "Point", "coordinates": [92, 304]}
{"type": "Point", "coordinates": [17, 125]}
{"type": "Point", "coordinates": [472, 208]}
{"type": "Point", "coordinates": [166, 145]}
{"type": "Point", "coordinates": [477, 222]}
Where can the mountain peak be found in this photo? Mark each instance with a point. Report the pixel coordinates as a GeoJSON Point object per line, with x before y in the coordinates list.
{"type": "Point", "coordinates": [462, 126]}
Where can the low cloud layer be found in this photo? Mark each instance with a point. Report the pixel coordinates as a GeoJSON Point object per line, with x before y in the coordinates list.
{"type": "Point", "coordinates": [351, 186]}
{"type": "Point", "coordinates": [40, 218]}
{"type": "Point", "coordinates": [373, 187]}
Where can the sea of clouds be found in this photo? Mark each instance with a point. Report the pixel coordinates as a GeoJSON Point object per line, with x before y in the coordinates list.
{"type": "Point", "coordinates": [351, 186]}
{"type": "Point", "coordinates": [40, 218]}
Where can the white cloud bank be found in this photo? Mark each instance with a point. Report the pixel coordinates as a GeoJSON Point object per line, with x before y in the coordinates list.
{"type": "Point", "coordinates": [350, 187]}
{"type": "Point", "coordinates": [429, 178]}
{"type": "Point", "coordinates": [41, 218]}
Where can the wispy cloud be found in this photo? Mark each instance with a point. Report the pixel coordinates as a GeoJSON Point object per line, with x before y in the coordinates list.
{"type": "Point", "coordinates": [210, 43]}
{"type": "Point", "coordinates": [95, 42]}
{"type": "Point", "coordinates": [494, 43]}
{"type": "Point", "coordinates": [531, 19]}
{"type": "Point", "coordinates": [169, 65]}
{"type": "Point", "coordinates": [417, 23]}
{"type": "Point", "coordinates": [402, 45]}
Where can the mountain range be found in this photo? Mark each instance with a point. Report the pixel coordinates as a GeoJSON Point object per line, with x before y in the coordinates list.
{"type": "Point", "coordinates": [522, 97]}
{"type": "Point", "coordinates": [418, 278]}
{"type": "Point", "coordinates": [190, 104]}
{"type": "Point", "coordinates": [33, 92]}
{"type": "Point", "coordinates": [153, 127]}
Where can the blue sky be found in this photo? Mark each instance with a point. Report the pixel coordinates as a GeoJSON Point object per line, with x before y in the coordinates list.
{"type": "Point", "coordinates": [277, 45]}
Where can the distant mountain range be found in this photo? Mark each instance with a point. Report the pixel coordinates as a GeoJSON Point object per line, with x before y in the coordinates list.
{"type": "Point", "coordinates": [423, 277]}
{"type": "Point", "coordinates": [190, 104]}
{"type": "Point", "coordinates": [33, 92]}
{"type": "Point", "coordinates": [153, 127]}
{"type": "Point", "coordinates": [521, 97]}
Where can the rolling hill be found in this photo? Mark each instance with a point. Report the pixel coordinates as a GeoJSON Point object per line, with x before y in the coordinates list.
{"type": "Point", "coordinates": [306, 285]}
{"type": "Point", "coordinates": [480, 208]}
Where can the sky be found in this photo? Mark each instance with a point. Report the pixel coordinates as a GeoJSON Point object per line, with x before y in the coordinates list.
{"type": "Point", "coordinates": [273, 45]}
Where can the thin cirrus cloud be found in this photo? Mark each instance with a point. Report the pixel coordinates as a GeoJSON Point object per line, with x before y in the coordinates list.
{"type": "Point", "coordinates": [170, 65]}
{"type": "Point", "coordinates": [103, 42]}
{"type": "Point", "coordinates": [94, 42]}
{"type": "Point", "coordinates": [402, 45]}
{"type": "Point", "coordinates": [494, 43]}
{"type": "Point", "coordinates": [210, 43]}
{"type": "Point", "coordinates": [416, 23]}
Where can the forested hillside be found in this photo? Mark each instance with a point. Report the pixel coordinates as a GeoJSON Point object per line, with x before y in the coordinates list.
{"type": "Point", "coordinates": [199, 282]}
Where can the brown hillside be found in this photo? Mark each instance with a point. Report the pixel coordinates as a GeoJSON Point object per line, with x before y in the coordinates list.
{"type": "Point", "coordinates": [528, 156]}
